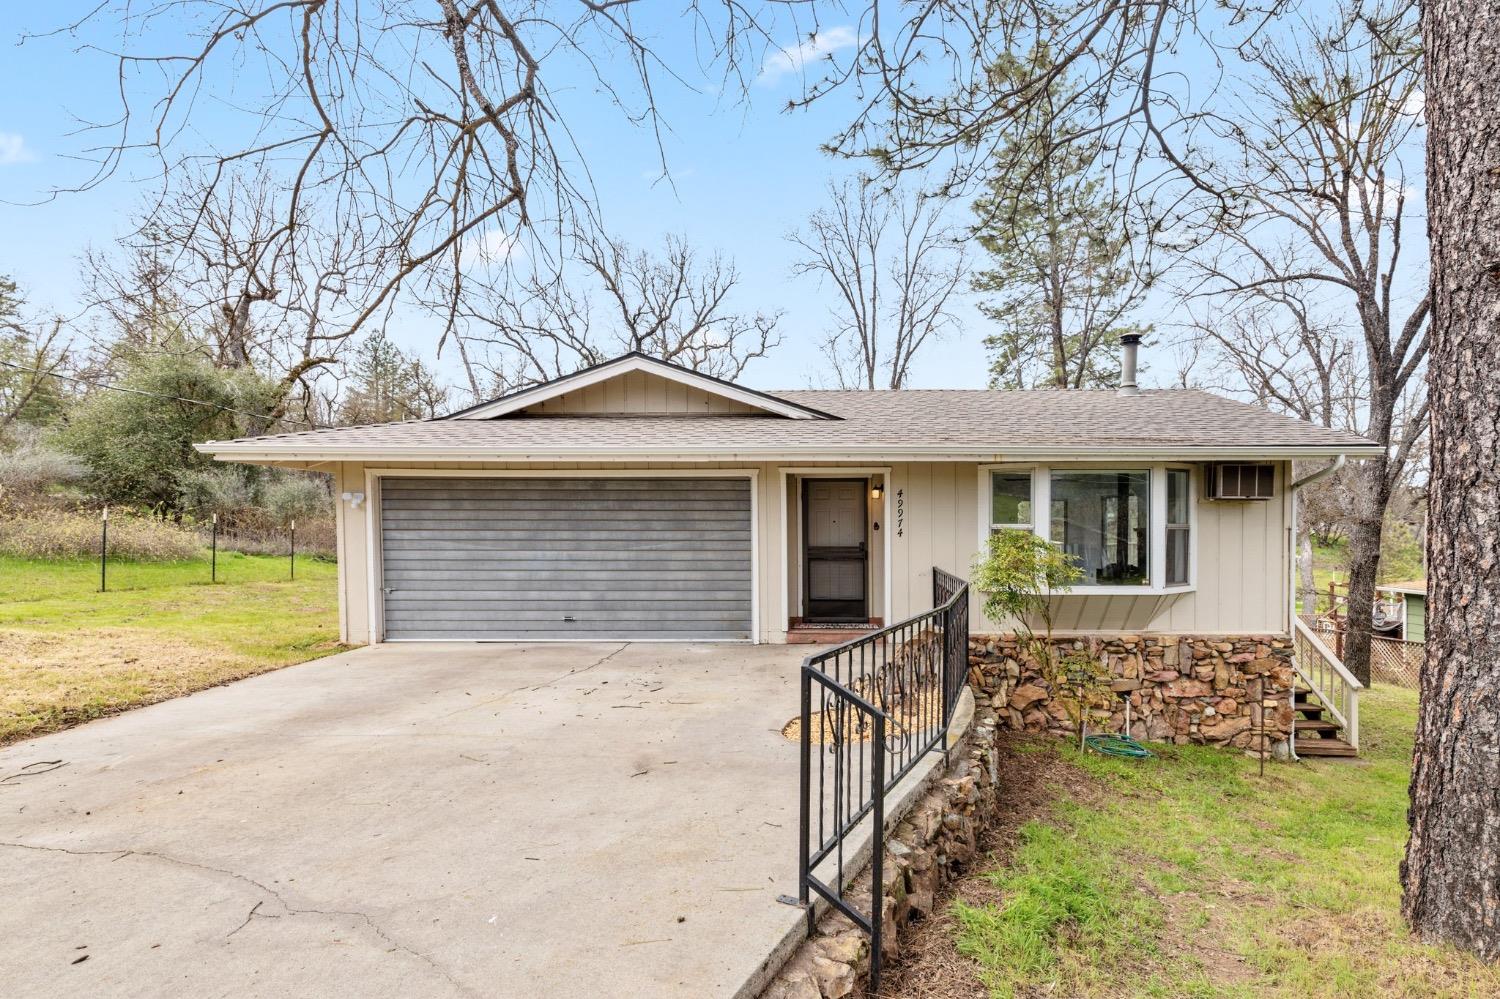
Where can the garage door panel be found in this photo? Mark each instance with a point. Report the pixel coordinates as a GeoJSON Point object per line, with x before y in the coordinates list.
{"type": "Point", "coordinates": [627, 515]}
{"type": "Point", "coordinates": [563, 588]}
{"type": "Point", "coordinates": [566, 599]}
{"type": "Point", "coordinates": [528, 558]}
{"type": "Point", "coordinates": [657, 531]}
{"type": "Point", "coordinates": [645, 578]}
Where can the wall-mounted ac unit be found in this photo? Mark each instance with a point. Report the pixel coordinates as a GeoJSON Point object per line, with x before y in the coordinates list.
{"type": "Point", "coordinates": [1240, 482]}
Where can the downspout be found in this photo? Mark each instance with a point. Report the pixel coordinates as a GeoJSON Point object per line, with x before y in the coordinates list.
{"type": "Point", "coordinates": [1291, 604]}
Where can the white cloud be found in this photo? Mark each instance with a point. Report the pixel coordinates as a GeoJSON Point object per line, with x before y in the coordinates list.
{"type": "Point", "coordinates": [495, 246]}
{"type": "Point", "coordinates": [1415, 103]}
{"type": "Point", "coordinates": [794, 58]}
{"type": "Point", "coordinates": [13, 149]}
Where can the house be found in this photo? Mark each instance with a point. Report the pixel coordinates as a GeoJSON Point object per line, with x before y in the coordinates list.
{"type": "Point", "coordinates": [640, 500]}
{"type": "Point", "coordinates": [1407, 602]}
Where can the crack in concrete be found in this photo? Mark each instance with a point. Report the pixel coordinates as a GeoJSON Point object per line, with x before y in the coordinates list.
{"type": "Point", "coordinates": [290, 910]}
{"type": "Point", "coordinates": [541, 686]}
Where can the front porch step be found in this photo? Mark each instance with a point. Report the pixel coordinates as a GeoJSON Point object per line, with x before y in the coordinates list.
{"type": "Point", "coordinates": [1319, 725]}
{"type": "Point", "coordinates": [804, 635]}
{"type": "Point", "coordinates": [1326, 747]}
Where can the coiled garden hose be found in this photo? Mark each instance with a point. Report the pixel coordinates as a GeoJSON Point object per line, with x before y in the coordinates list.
{"type": "Point", "coordinates": [1118, 745]}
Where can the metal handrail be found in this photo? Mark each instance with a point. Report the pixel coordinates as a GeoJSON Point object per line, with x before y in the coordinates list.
{"type": "Point", "coordinates": [899, 687]}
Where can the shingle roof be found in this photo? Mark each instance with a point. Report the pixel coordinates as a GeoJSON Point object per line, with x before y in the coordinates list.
{"type": "Point", "coordinates": [933, 423]}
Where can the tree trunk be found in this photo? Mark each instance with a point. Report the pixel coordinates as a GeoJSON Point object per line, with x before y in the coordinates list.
{"type": "Point", "coordinates": [1451, 874]}
{"type": "Point", "coordinates": [1371, 484]}
{"type": "Point", "coordinates": [1307, 584]}
{"type": "Point", "coordinates": [1364, 563]}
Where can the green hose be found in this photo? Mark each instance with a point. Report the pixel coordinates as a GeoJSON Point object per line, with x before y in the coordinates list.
{"type": "Point", "coordinates": [1118, 745]}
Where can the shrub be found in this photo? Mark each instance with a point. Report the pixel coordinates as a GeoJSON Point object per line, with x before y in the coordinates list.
{"type": "Point", "coordinates": [30, 468]}
{"type": "Point", "coordinates": [56, 534]}
{"type": "Point", "coordinates": [297, 497]}
{"type": "Point", "coordinates": [208, 491]}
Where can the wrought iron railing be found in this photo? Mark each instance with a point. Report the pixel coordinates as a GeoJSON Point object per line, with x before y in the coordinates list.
{"type": "Point", "coordinates": [872, 708]}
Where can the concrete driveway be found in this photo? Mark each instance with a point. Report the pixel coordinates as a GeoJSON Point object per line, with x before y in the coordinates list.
{"type": "Point", "coordinates": [414, 820]}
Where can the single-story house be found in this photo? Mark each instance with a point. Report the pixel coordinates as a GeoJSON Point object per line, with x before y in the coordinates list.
{"type": "Point", "coordinates": [639, 500]}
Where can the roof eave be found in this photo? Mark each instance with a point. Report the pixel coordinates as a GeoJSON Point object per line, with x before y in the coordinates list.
{"type": "Point", "coordinates": [251, 451]}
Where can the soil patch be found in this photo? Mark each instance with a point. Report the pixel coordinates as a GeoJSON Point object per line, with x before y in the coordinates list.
{"type": "Point", "coordinates": [1032, 778]}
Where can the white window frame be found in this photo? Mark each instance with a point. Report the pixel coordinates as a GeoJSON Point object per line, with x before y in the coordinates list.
{"type": "Point", "coordinates": [1191, 525]}
{"type": "Point", "coordinates": [1041, 516]}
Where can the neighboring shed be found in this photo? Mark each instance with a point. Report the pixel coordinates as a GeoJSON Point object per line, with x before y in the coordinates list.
{"type": "Point", "coordinates": [1412, 595]}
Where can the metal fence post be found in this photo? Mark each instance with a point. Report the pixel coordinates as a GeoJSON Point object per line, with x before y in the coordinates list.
{"type": "Point", "coordinates": [103, 547]}
{"type": "Point", "coordinates": [213, 558]}
{"type": "Point", "coordinates": [805, 806]}
{"type": "Point", "coordinates": [294, 549]}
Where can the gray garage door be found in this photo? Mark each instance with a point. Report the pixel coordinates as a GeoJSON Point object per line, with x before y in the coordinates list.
{"type": "Point", "coordinates": [513, 558]}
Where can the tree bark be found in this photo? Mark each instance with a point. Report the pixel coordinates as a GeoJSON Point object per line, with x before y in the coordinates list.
{"type": "Point", "coordinates": [1372, 483]}
{"type": "Point", "coordinates": [1451, 874]}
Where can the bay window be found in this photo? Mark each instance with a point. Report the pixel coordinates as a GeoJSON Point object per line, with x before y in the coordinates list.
{"type": "Point", "coordinates": [1102, 520]}
{"type": "Point", "coordinates": [1127, 528]}
{"type": "Point", "coordinates": [1179, 525]}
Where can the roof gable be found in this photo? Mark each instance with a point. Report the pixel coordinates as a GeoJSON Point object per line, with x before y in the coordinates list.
{"type": "Point", "coordinates": [636, 384]}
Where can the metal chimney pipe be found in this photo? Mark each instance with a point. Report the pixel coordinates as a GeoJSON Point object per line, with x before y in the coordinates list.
{"type": "Point", "coordinates": [1129, 347]}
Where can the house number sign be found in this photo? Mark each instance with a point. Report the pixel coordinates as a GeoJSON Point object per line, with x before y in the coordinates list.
{"type": "Point", "coordinates": [900, 513]}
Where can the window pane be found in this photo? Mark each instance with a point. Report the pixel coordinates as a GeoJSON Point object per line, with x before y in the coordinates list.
{"type": "Point", "coordinates": [1103, 520]}
{"type": "Point", "coordinates": [1177, 556]}
{"type": "Point", "coordinates": [1010, 497]}
{"type": "Point", "coordinates": [1177, 496]}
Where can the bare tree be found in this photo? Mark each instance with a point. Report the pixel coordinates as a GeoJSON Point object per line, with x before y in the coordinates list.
{"type": "Point", "coordinates": [208, 270]}
{"type": "Point", "coordinates": [610, 298]}
{"type": "Point", "coordinates": [409, 129]}
{"type": "Point", "coordinates": [1314, 233]}
{"type": "Point", "coordinates": [894, 265]}
{"type": "Point", "coordinates": [1451, 873]}
{"type": "Point", "coordinates": [1276, 352]}
{"type": "Point", "coordinates": [32, 352]}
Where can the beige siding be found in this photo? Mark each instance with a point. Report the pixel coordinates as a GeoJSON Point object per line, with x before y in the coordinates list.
{"type": "Point", "coordinates": [639, 392]}
{"type": "Point", "coordinates": [1242, 581]}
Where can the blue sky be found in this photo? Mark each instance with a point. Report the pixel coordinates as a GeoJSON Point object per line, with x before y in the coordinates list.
{"type": "Point", "coordinates": [743, 175]}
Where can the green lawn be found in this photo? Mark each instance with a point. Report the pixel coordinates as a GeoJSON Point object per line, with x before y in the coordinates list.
{"type": "Point", "coordinates": [69, 653]}
{"type": "Point", "coordinates": [1190, 875]}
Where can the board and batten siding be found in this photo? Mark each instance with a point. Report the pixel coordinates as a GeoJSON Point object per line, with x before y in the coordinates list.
{"type": "Point", "coordinates": [933, 514]}
{"type": "Point", "coordinates": [639, 392]}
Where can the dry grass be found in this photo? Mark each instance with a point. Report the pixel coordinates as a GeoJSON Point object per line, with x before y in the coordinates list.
{"type": "Point", "coordinates": [69, 654]}
{"type": "Point", "coordinates": [62, 534]}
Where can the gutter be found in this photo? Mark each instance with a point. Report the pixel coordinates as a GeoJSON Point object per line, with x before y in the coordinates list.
{"type": "Point", "coordinates": [250, 451]}
{"type": "Point", "coordinates": [1338, 462]}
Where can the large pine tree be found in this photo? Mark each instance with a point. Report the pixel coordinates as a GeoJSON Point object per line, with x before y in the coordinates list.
{"type": "Point", "coordinates": [1451, 874]}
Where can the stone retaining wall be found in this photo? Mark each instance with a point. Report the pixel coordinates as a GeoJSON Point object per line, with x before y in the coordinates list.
{"type": "Point", "coordinates": [930, 846]}
{"type": "Point", "coordinates": [1207, 690]}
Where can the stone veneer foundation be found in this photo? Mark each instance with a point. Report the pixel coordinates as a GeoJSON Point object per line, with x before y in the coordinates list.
{"type": "Point", "coordinates": [1181, 689]}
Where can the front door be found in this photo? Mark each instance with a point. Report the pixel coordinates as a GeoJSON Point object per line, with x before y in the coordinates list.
{"type": "Point", "coordinates": [835, 552]}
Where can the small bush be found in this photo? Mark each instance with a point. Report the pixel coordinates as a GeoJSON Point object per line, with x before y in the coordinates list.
{"type": "Point", "coordinates": [222, 491]}
{"type": "Point", "coordinates": [56, 534]}
{"type": "Point", "coordinates": [32, 467]}
{"type": "Point", "coordinates": [297, 498]}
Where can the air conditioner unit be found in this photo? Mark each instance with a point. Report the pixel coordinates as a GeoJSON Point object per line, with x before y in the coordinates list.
{"type": "Point", "coordinates": [1240, 482]}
